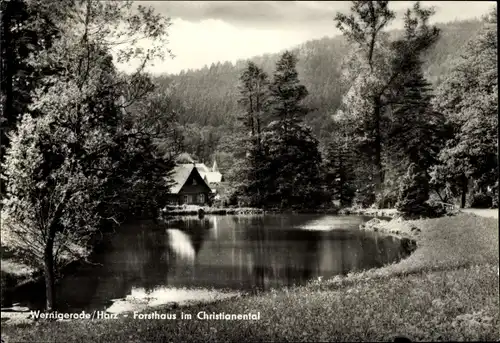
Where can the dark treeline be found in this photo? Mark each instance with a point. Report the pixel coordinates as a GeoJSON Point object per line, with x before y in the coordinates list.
{"type": "Point", "coordinates": [372, 114]}
{"type": "Point", "coordinates": [207, 99]}
{"type": "Point", "coordinates": [83, 145]}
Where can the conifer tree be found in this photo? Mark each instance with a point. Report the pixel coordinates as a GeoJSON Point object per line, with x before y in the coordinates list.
{"type": "Point", "coordinates": [414, 193]}
{"type": "Point", "coordinates": [293, 168]}
{"type": "Point", "coordinates": [417, 131]}
{"type": "Point", "coordinates": [254, 90]}
{"type": "Point", "coordinates": [380, 67]}
{"type": "Point", "coordinates": [287, 93]}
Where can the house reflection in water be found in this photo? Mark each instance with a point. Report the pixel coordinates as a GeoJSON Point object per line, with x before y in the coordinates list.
{"type": "Point", "coordinates": [181, 245]}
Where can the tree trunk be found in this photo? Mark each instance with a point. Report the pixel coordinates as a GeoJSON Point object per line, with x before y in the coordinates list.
{"type": "Point", "coordinates": [7, 64]}
{"type": "Point", "coordinates": [379, 175]}
{"type": "Point", "coordinates": [464, 192]}
{"type": "Point", "coordinates": [258, 132]}
{"type": "Point", "coordinates": [341, 189]}
{"type": "Point", "coordinates": [49, 272]}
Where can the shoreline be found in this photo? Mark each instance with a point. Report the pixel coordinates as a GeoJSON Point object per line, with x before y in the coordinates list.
{"type": "Point", "coordinates": [207, 210]}
{"type": "Point", "coordinates": [447, 290]}
{"type": "Point", "coordinates": [32, 281]}
{"type": "Point", "coordinates": [396, 227]}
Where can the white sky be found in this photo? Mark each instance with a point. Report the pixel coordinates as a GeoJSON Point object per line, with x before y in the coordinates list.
{"type": "Point", "coordinates": [204, 32]}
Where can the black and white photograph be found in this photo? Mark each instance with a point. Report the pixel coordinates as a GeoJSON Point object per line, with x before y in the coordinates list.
{"type": "Point", "coordinates": [249, 171]}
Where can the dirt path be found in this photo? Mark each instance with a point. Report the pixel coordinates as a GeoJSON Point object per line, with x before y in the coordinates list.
{"type": "Point", "coordinates": [489, 213]}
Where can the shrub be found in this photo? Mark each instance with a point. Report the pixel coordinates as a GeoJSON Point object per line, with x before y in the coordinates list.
{"type": "Point", "coordinates": [7, 281]}
{"type": "Point", "coordinates": [414, 193]}
{"type": "Point", "coordinates": [480, 200]}
{"type": "Point", "coordinates": [386, 200]}
{"type": "Point", "coordinates": [364, 198]}
{"type": "Point", "coordinates": [439, 209]}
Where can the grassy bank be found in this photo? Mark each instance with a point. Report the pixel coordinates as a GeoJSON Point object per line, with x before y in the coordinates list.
{"type": "Point", "coordinates": [12, 274]}
{"type": "Point", "coordinates": [446, 290]}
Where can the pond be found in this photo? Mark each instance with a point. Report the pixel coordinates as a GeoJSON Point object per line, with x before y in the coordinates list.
{"type": "Point", "coordinates": [194, 259]}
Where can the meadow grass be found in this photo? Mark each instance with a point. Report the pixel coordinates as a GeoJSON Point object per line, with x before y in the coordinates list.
{"type": "Point", "coordinates": [446, 291]}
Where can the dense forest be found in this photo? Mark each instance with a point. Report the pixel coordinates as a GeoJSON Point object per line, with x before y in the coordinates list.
{"type": "Point", "coordinates": [82, 146]}
{"type": "Point", "coordinates": [209, 108]}
{"type": "Point", "coordinates": [207, 99]}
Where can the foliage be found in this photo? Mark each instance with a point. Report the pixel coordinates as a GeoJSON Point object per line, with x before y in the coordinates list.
{"type": "Point", "coordinates": [27, 28]}
{"type": "Point", "coordinates": [380, 70]}
{"type": "Point", "coordinates": [69, 168]}
{"type": "Point", "coordinates": [469, 99]}
{"type": "Point", "coordinates": [413, 193]}
{"type": "Point", "coordinates": [154, 115]}
{"type": "Point", "coordinates": [254, 99]}
{"type": "Point", "coordinates": [480, 200]}
{"type": "Point", "coordinates": [338, 173]}
{"type": "Point", "coordinates": [417, 132]}
{"type": "Point", "coordinates": [287, 93]}
{"type": "Point", "coordinates": [206, 99]}
{"type": "Point", "coordinates": [254, 89]}
{"type": "Point", "coordinates": [293, 168]}
{"type": "Point", "coordinates": [281, 167]}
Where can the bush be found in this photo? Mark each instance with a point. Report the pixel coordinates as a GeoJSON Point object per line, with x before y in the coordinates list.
{"type": "Point", "coordinates": [7, 281]}
{"type": "Point", "coordinates": [413, 194]}
{"type": "Point", "coordinates": [386, 200]}
{"type": "Point", "coordinates": [439, 209]}
{"type": "Point", "coordinates": [364, 198]}
{"type": "Point", "coordinates": [480, 200]}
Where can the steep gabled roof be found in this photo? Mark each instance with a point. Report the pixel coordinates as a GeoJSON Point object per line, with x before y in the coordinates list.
{"type": "Point", "coordinates": [180, 175]}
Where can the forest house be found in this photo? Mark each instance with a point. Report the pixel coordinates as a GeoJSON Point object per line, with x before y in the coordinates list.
{"type": "Point", "coordinates": [189, 187]}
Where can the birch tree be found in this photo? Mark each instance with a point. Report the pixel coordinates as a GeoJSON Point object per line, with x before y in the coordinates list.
{"type": "Point", "coordinates": [79, 163]}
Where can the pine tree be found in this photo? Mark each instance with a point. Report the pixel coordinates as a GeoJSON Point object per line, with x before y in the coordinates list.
{"type": "Point", "coordinates": [293, 166]}
{"type": "Point", "coordinates": [414, 193]}
{"type": "Point", "coordinates": [254, 98]}
{"type": "Point", "coordinates": [255, 101]}
{"type": "Point", "coordinates": [287, 93]}
{"type": "Point", "coordinates": [417, 131]}
{"type": "Point", "coordinates": [339, 173]}
{"type": "Point", "coordinates": [293, 159]}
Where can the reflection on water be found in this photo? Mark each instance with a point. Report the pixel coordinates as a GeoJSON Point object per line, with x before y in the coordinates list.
{"type": "Point", "coordinates": [147, 264]}
{"type": "Point", "coordinates": [181, 244]}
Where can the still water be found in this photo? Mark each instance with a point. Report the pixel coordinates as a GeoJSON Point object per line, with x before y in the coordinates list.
{"type": "Point", "coordinates": [145, 264]}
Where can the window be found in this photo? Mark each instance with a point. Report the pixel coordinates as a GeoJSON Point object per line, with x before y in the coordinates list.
{"type": "Point", "coordinates": [201, 198]}
{"type": "Point", "coordinates": [189, 199]}
{"type": "Point", "coordinates": [185, 198]}
{"type": "Point", "coordinates": [194, 182]}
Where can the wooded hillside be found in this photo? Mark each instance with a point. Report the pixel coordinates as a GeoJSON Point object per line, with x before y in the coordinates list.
{"type": "Point", "coordinates": [206, 99]}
